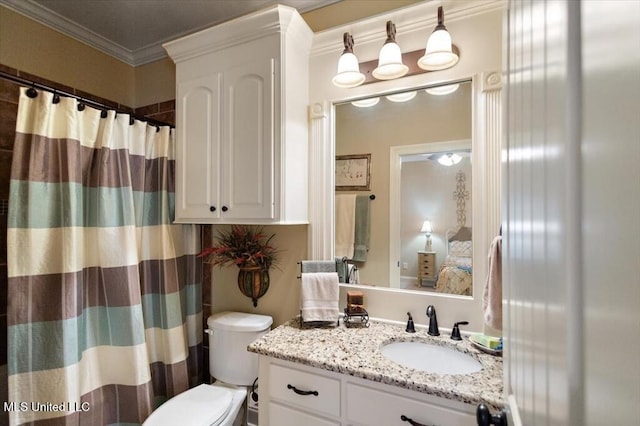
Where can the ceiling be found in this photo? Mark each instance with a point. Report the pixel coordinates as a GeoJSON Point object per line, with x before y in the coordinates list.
{"type": "Point", "coordinates": [134, 30]}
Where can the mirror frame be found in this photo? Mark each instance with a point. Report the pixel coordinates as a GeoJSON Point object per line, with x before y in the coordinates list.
{"type": "Point", "coordinates": [478, 34]}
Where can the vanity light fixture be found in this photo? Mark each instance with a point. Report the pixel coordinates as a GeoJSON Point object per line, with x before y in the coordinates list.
{"type": "Point", "coordinates": [348, 74]}
{"type": "Point", "coordinates": [442, 90]}
{"type": "Point", "coordinates": [390, 64]}
{"type": "Point", "coordinates": [438, 54]}
{"type": "Point", "coordinates": [402, 97]}
{"type": "Point", "coordinates": [449, 159]}
{"type": "Point", "coordinates": [427, 229]}
{"type": "Point", "coordinates": [366, 103]}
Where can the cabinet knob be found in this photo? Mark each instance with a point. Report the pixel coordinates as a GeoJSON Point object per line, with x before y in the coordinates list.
{"type": "Point", "coordinates": [212, 209]}
{"type": "Point", "coordinates": [225, 208]}
{"type": "Point", "coordinates": [484, 417]}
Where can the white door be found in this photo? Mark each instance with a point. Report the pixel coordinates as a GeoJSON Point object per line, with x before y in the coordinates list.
{"type": "Point", "coordinates": [572, 213]}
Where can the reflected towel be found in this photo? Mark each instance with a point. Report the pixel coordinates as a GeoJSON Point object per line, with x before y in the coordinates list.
{"type": "Point", "coordinates": [319, 297]}
{"type": "Point", "coordinates": [492, 297]}
{"type": "Point", "coordinates": [318, 266]}
{"type": "Point", "coordinates": [345, 225]}
{"type": "Point", "coordinates": [362, 228]}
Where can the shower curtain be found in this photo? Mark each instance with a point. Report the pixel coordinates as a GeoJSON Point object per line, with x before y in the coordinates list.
{"type": "Point", "coordinates": [104, 297]}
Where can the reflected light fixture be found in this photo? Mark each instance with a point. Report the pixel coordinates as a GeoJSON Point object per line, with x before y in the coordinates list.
{"type": "Point", "coordinates": [390, 64]}
{"type": "Point", "coordinates": [348, 74]}
{"type": "Point", "coordinates": [438, 54]}
{"type": "Point", "coordinates": [449, 159]}
{"type": "Point", "coordinates": [402, 97]}
{"type": "Point", "coordinates": [442, 90]}
{"type": "Point", "coordinates": [366, 103]}
{"type": "Point", "coordinates": [426, 229]}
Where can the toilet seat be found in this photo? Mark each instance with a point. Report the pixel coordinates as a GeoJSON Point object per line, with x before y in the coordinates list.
{"type": "Point", "coordinates": [203, 405]}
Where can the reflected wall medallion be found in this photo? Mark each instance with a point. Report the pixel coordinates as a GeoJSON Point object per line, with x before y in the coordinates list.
{"type": "Point", "coordinates": [461, 195]}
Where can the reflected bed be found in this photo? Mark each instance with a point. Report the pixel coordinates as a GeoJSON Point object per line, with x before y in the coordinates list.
{"type": "Point", "coordinates": [455, 274]}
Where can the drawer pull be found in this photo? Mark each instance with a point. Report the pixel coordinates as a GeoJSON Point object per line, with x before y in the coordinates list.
{"type": "Point", "coordinates": [301, 392]}
{"type": "Point", "coordinates": [411, 422]}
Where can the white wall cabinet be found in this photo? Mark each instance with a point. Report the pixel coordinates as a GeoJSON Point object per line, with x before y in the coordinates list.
{"type": "Point", "coordinates": [241, 120]}
{"type": "Point", "coordinates": [293, 394]}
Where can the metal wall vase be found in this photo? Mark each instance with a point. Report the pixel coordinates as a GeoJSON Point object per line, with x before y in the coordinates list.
{"type": "Point", "coordinates": [253, 282]}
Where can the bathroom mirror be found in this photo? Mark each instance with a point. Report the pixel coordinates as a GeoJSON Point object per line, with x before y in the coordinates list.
{"type": "Point", "coordinates": [419, 147]}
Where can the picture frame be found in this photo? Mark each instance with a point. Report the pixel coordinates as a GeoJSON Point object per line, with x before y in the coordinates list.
{"type": "Point", "coordinates": [353, 172]}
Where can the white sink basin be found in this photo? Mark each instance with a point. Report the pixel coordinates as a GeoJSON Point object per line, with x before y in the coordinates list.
{"type": "Point", "coordinates": [430, 358]}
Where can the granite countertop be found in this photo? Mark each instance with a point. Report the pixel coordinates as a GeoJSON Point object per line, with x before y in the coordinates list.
{"type": "Point", "coordinates": [354, 351]}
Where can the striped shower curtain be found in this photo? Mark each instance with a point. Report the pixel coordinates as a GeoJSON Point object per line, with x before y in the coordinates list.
{"type": "Point", "coordinates": [104, 297]}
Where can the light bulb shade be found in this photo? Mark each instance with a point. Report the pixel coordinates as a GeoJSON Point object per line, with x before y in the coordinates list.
{"type": "Point", "coordinates": [366, 103]}
{"type": "Point", "coordinates": [426, 227]}
{"type": "Point", "coordinates": [348, 74]}
{"type": "Point", "coordinates": [390, 64]}
{"type": "Point", "coordinates": [402, 97]}
{"type": "Point", "coordinates": [442, 90]}
{"type": "Point", "coordinates": [439, 54]}
{"type": "Point", "coordinates": [449, 159]}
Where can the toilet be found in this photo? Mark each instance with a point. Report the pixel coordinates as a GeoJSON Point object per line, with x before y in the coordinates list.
{"type": "Point", "coordinates": [234, 368]}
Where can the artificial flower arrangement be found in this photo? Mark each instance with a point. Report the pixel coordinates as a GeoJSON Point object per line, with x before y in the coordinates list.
{"type": "Point", "coordinates": [243, 246]}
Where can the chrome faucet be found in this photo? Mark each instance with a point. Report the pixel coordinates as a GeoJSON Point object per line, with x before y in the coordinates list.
{"type": "Point", "coordinates": [433, 321]}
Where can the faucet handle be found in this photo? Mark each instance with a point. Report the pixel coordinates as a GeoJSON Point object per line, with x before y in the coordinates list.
{"type": "Point", "coordinates": [455, 333]}
{"type": "Point", "coordinates": [410, 326]}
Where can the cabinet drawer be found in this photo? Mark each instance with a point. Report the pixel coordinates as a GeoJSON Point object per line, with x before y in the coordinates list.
{"type": "Point", "coordinates": [295, 386]}
{"type": "Point", "coordinates": [280, 415]}
{"type": "Point", "coordinates": [371, 407]}
{"type": "Point", "coordinates": [426, 269]}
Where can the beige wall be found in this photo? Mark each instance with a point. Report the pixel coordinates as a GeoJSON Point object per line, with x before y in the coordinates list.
{"type": "Point", "coordinates": [155, 82]}
{"type": "Point", "coordinates": [282, 299]}
{"type": "Point", "coordinates": [34, 48]}
{"type": "Point", "coordinates": [350, 10]}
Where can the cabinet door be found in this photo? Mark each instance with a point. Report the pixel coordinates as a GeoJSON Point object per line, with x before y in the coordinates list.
{"type": "Point", "coordinates": [198, 143]}
{"type": "Point", "coordinates": [248, 154]}
{"type": "Point", "coordinates": [280, 415]}
{"type": "Point", "coordinates": [371, 407]}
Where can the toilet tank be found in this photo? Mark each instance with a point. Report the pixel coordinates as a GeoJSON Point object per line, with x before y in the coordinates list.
{"type": "Point", "coordinates": [229, 335]}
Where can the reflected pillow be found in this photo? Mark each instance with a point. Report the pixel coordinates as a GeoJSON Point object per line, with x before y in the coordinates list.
{"type": "Point", "coordinates": [460, 249]}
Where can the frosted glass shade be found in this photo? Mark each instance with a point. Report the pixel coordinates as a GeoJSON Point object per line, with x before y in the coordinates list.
{"type": "Point", "coordinates": [366, 103]}
{"type": "Point", "coordinates": [348, 74]}
{"type": "Point", "coordinates": [442, 90]}
{"type": "Point", "coordinates": [438, 54]}
{"type": "Point", "coordinates": [449, 159]}
{"type": "Point", "coordinates": [390, 64]}
{"type": "Point", "coordinates": [402, 97]}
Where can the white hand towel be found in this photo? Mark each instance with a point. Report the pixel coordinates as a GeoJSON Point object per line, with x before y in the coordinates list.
{"type": "Point", "coordinates": [319, 296]}
{"type": "Point", "coordinates": [492, 297]}
{"type": "Point", "coordinates": [345, 220]}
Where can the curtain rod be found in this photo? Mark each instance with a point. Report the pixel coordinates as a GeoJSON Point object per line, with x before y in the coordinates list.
{"type": "Point", "coordinates": [95, 104]}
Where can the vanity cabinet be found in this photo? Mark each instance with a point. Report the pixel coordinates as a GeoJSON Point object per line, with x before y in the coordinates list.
{"type": "Point", "coordinates": [293, 394]}
{"type": "Point", "coordinates": [241, 120]}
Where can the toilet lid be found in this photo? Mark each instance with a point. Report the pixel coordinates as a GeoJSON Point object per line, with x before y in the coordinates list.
{"type": "Point", "coordinates": [199, 406]}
